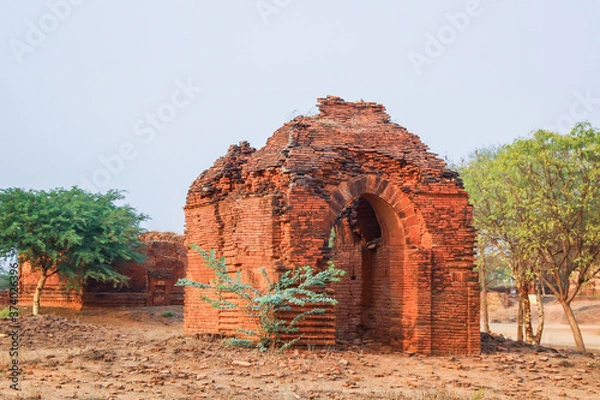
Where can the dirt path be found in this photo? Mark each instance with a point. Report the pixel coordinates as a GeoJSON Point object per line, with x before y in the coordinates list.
{"type": "Point", "coordinates": [139, 354]}
{"type": "Point", "coordinates": [557, 335]}
{"type": "Point", "coordinates": [503, 312]}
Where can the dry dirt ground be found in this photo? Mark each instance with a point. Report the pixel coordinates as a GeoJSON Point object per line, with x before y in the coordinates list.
{"type": "Point", "coordinates": [141, 354]}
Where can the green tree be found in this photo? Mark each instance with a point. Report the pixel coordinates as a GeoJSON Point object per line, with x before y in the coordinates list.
{"type": "Point", "coordinates": [299, 289]}
{"type": "Point", "coordinates": [538, 201]}
{"type": "Point", "coordinates": [498, 220]}
{"type": "Point", "coordinates": [556, 182]}
{"type": "Point", "coordinates": [72, 233]}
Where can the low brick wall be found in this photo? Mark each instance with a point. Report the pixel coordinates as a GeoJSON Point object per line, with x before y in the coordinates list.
{"type": "Point", "coordinates": [150, 283]}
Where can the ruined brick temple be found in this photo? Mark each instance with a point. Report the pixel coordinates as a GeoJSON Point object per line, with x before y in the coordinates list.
{"type": "Point", "coordinates": [151, 283]}
{"type": "Point", "coordinates": [401, 220]}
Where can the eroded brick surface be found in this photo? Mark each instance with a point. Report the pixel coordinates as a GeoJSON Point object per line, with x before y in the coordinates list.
{"type": "Point", "coordinates": [150, 283]}
{"type": "Point", "coordinates": [401, 218]}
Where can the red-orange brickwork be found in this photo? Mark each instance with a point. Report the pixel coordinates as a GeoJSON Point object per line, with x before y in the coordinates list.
{"type": "Point", "coordinates": [150, 283]}
{"type": "Point", "coordinates": [401, 219]}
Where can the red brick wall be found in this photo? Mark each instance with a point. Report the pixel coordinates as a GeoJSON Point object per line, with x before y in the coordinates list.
{"type": "Point", "coordinates": [150, 283]}
{"type": "Point", "coordinates": [54, 293]}
{"type": "Point", "coordinates": [241, 229]}
{"type": "Point", "coordinates": [351, 169]}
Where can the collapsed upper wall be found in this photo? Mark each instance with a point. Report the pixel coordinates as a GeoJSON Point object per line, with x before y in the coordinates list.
{"type": "Point", "coordinates": [314, 147]}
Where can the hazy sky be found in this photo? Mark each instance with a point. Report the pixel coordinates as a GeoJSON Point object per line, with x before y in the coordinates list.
{"type": "Point", "coordinates": [145, 95]}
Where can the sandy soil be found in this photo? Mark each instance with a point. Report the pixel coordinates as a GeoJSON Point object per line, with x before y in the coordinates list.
{"type": "Point", "coordinates": [141, 354]}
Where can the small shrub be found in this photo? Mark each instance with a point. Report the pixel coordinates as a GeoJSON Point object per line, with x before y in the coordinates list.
{"type": "Point", "coordinates": [294, 288]}
{"type": "Point", "coordinates": [6, 313]}
{"type": "Point", "coordinates": [168, 314]}
{"type": "Point", "coordinates": [479, 395]}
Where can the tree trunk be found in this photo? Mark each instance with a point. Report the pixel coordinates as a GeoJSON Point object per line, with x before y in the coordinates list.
{"type": "Point", "coordinates": [540, 311]}
{"type": "Point", "coordinates": [484, 303]}
{"type": "Point", "coordinates": [574, 325]}
{"type": "Point", "coordinates": [524, 327]}
{"type": "Point", "coordinates": [527, 314]}
{"type": "Point", "coordinates": [38, 294]}
{"type": "Point", "coordinates": [520, 319]}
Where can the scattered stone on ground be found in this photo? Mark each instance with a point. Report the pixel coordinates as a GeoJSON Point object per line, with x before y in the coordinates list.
{"type": "Point", "coordinates": [138, 354]}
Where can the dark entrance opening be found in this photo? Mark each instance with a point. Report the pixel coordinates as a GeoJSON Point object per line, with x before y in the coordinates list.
{"type": "Point", "coordinates": [368, 248]}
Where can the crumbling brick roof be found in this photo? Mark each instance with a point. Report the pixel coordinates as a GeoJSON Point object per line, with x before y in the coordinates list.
{"type": "Point", "coordinates": [308, 147]}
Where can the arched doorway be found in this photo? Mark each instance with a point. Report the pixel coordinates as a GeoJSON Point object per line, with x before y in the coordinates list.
{"type": "Point", "coordinates": [369, 246]}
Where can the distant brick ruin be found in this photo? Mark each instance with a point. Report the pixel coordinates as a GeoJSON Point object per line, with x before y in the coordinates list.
{"type": "Point", "coordinates": [150, 283]}
{"type": "Point", "coordinates": [401, 220]}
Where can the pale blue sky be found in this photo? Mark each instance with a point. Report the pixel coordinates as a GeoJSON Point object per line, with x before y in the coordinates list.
{"type": "Point", "coordinates": [81, 81]}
